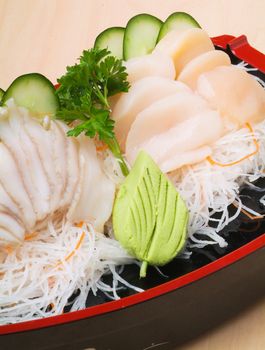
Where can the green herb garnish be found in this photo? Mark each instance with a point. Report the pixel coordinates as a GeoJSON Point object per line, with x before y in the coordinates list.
{"type": "Point", "coordinates": [84, 92]}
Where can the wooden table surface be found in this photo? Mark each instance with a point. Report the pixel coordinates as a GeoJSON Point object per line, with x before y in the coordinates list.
{"type": "Point", "coordinates": [46, 35]}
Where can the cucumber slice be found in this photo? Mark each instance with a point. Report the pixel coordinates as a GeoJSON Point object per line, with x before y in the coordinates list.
{"type": "Point", "coordinates": [1, 94]}
{"type": "Point", "coordinates": [34, 92]}
{"type": "Point", "coordinates": [177, 20]}
{"type": "Point", "coordinates": [112, 39]}
{"type": "Point", "coordinates": [140, 35]}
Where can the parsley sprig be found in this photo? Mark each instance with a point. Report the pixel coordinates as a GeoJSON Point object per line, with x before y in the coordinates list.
{"type": "Point", "coordinates": [83, 95]}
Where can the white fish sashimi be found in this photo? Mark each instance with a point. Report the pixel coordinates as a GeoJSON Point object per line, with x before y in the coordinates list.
{"type": "Point", "coordinates": [235, 93]}
{"type": "Point", "coordinates": [43, 141]}
{"type": "Point", "coordinates": [183, 46]}
{"type": "Point", "coordinates": [12, 181]}
{"type": "Point", "coordinates": [72, 163]}
{"type": "Point", "coordinates": [156, 64]}
{"type": "Point", "coordinates": [59, 143]}
{"type": "Point", "coordinates": [39, 188]}
{"type": "Point", "coordinates": [95, 195]}
{"type": "Point", "coordinates": [10, 224]}
{"type": "Point", "coordinates": [141, 95]}
{"type": "Point", "coordinates": [190, 135]}
{"type": "Point", "coordinates": [7, 204]}
{"type": "Point", "coordinates": [44, 172]}
{"type": "Point", "coordinates": [201, 64]}
{"type": "Point", "coordinates": [6, 238]}
{"type": "Point", "coordinates": [163, 115]}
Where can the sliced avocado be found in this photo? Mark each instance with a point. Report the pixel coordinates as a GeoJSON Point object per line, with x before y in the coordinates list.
{"type": "Point", "coordinates": [149, 216]}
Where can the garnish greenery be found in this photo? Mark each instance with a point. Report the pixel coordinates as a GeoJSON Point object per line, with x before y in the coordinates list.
{"type": "Point", "coordinates": [83, 95]}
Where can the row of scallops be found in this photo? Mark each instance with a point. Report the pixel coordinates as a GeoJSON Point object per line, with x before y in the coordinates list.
{"type": "Point", "coordinates": [184, 96]}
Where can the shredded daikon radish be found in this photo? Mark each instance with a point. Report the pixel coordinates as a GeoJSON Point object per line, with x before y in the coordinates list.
{"type": "Point", "coordinates": [209, 189]}
{"type": "Point", "coordinates": [38, 279]}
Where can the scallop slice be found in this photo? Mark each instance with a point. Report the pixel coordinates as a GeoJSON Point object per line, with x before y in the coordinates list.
{"type": "Point", "coordinates": [163, 115]}
{"type": "Point", "coordinates": [12, 181]}
{"type": "Point", "coordinates": [29, 163]}
{"type": "Point", "coordinates": [184, 46]}
{"type": "Point", "coordinates": [183, 143]}
{"type": "Point", "coordinates": [10, 224]}
{"type": "Point", "coordinates": [177, 160]}
{"type": "Point", "coordinates": [141, 95]}
{"type": "Point", "coordinates": [235, 93]}
{"type": "Point", "coordinates": [95, 194]}
{"type": "Point", "coordinates": [201, 64]}
{"type": "Point", "coordinates": [72, 166]}
{"type": "Point", "coordinates": [156, 64]}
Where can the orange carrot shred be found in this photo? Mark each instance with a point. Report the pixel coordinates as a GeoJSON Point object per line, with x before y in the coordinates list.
{"type": "Point", "coordinates": [102, 148]}
{"type": "Point", "coordinates": [250, 216]}
{"type": "Point", "coordinates": [29, 236]}
{"type": "Point", "coordinates": [9, 249]}
{"type": "Point", "coordinates": [80, 224]}
{"type": "Point", "coordinates": [255, 141]}
{"type": "Point", "coordinates": [78, 245]}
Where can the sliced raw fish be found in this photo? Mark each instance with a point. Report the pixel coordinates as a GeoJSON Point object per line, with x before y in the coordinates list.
{"type": "Point", "coordinates": [235, 93]}
{"type": "Point", "coordinates": [142, 94]}
{"type": "Point", "coordinates": [201, 64]}
{"type": "Point", "coordinates": [169, 149]}
{"type": "Point", "coordinates": [11, 225]}
{"type": "Point", "coordinates": [12, 181]}
{"type": "Point", "coordinates": [72, 171]}
{"type": "Point", "coordinates": [163, 115]}
{"type": "Point", "coordinates": [183, 46]}
{"type": "Point", "coordinates": [156, 64]}
{"type": "Point", "coordinates": [95, 194]}
{"type": "Point", "coordinates": [30, 165]}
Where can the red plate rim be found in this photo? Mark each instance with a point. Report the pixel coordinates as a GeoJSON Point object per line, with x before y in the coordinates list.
{"type": "Point", "coordinates": [240, 48]}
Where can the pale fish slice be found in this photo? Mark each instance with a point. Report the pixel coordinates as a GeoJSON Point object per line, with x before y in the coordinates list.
{"type": "Point", "coordinates": [184, 46]}
{"type": "Point", "coordinates": [163, 115]}
{"type": "Point", "coordinates": [156, 64]}
{"type": "Point", "coordinates": [29, 162]}
{"type": "Point", "coordinates": [141, 95]}
{"type": "Point", "coordinates": [12, 181]}
{"type": "Point", "coordinates": [168, 149]}
{"type": "Point", "coordinates": [95, 193]}
{"type": "Point", "coordinates": [201, 64]}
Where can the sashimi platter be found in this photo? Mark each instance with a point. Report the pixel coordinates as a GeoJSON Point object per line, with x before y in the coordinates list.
{"type": "Point", "coordinates": [135, 159]}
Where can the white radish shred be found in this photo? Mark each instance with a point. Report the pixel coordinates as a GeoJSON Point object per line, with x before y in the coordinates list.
{"type": "Point", "coordinates": [38, 278]}
{"type": "Point", "coordinates": [209, 189]}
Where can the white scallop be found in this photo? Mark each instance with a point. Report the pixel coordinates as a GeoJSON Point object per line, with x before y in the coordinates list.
{"type": "Point", "coordinates": [201, 64]}
{"type": "Point", "coordinates": [185, 143]}
{"type": "Point", "coordinates": [156, 64]}
{"type": "Point", "coordinates": [163, 115]}
{"type": "Point", "coordinates": [183, 46]}
{"type": "Point", "coordinates": [141, 95]}
{"type": "Point", "coordinates": [235, 93]}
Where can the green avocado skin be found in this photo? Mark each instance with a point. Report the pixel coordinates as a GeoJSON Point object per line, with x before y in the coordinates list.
{"type": "Point", "coordinates": [149, 216]}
